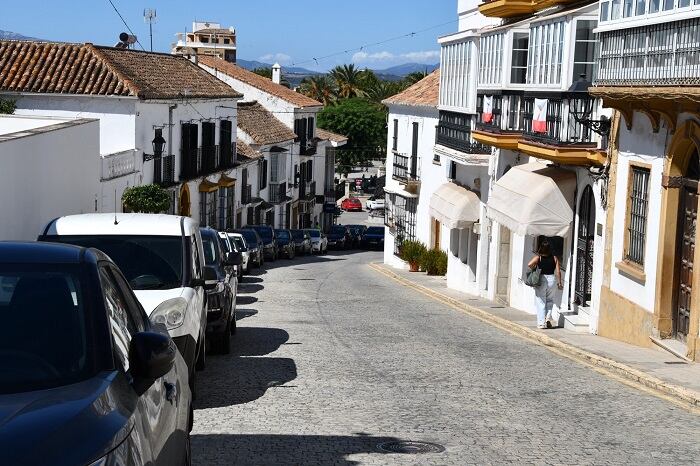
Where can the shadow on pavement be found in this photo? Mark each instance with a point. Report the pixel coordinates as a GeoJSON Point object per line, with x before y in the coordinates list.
{"type": "Point", "coordinates": [250, 279]}
{"type": "Point", "coordinates": [257, 341]}
{"type": "Point", "coordinates": [249, 287]}
{"type": "Point", "coordinates": [259, 449]}
{"type": "Point", "coordinates": [245, 313]}
{"type": "Point", "coordinates": [245, 300]}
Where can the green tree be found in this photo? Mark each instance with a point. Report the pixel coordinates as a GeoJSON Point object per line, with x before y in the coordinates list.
{"type": "Point", "coordinates": [7, 106]}
{"type": "Point", "coordinates": [320, 88]}
{"type": "Point", "coordinates": [363, 122]}
{"type": "Point", "coordinates": [414, 77]}
{"type": "Point", "coordinates": [149, 198]}
{"type": "Point", "coordinates": [348, 81]}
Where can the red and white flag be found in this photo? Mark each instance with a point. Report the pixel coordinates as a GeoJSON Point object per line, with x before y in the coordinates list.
{"type": "Point", "coordinates": [487, 115]}
{"type": "Point", "coordinates": [539, 116]}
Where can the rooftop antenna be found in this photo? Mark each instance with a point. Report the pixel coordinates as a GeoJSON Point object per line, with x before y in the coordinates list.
{"type": "Point", "coordinates": [149, 16]}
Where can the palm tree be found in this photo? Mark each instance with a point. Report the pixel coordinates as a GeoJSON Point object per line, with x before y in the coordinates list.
{"type": "Point", "coordinates": [380, 90]}
{"type": "Point", "coordinates": [319, 88]}
{"type": "Point", "coordinates": [348, 81]}
{"type": "Point", "coordinates": [414, 77]}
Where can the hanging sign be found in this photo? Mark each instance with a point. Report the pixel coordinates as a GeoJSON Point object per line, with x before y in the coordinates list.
{"type": "Point", "coordinates": [539, 116]}
{"type": "Point", "coordinates": [487, 115]}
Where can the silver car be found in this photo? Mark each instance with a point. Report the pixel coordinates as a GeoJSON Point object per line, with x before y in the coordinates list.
{"type": "Point", "coordinates": [241, 246]}
{"type": "Point", "coordinates": [319, 242]}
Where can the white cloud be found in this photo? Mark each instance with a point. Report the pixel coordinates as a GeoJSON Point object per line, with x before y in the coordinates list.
{"type": "Point", "coordinates": [280, 58]}
{"type": "Point", "coordinates": [388, 58]}
{"type": "Point", "coordinates": [423, 56]}
{"type": "Point", "coordinates": [364, 57]}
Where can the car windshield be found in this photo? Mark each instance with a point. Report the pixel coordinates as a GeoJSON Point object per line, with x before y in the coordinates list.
{"type": "Point", "coordinates": [211, 250]}
{"type": "Point", "coordinates": [147, 262]}
{"type": "Point", "coordinates": [225, 244]}
{"type": "Point", "coordinates": [338, 230]}
{"type": "Point", "coordinates": [282, 234]}
{"type": "Point", "coordinates": [375, 230]}
{"type": "Point", "coordinates": [44, 342]}
{"type": "Point", "coordinates": [298, 234]}
{"type": "Point", "coordinates": [238, 241]}
{"type": "Point", "coordinates": [265, 233]}
{"type": "Point", "coordinates": [250, 236]}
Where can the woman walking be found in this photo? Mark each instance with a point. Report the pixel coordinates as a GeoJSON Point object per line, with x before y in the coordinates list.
{"type": "Point", "coordinates": [544, 293]}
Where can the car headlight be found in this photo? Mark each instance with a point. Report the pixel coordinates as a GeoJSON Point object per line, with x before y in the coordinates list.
{"type": "Point", "coordinates": [170, 312]}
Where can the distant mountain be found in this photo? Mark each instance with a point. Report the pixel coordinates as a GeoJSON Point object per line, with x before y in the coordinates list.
{"type": "Point", "coordinates": [406, 69]}
{"type": "Point", "coordinates": [9, 35]}
{"type": "Point", "coordinates": [252, 64]}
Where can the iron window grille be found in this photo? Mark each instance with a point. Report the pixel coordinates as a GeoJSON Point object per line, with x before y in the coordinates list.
{"type": "Point", "coordinates": [454, 131]}
{"type": "Point", "coordinates": [637, 220]}
{"type": "Point", "coordinates": [496, 111]}
{"type": "Point", "coordinates": [400, 217]}
{"type": "Point", "coordinates": [561, 127]}
{"type": "Point", "coordinates": [164, 170]}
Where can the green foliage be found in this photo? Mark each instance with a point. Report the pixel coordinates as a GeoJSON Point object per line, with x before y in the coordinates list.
{"type": "Point", "coordinates": [412, 251]}
{"type": "Point", "coordinates": [363, 122]}
{"type": "Point", "coordinates": [149, 198]}
{"type": "Point", "coordinates": [434, 261]}
{"type": "Point", "coordinates": [7, 106]}
{"type": "Point", "coordinates": [321, 88]}
{"type": "Point", "coordinates": [267, 73]}
{"type": "Point", "coordinates": [414, 77]}
{"type": "Point", "coordinates": [348, 81]}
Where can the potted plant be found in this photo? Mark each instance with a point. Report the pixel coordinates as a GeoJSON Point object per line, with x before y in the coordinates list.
{"type": "Point", "coordinates": [434, 262]}
{"type": "Point", "coordinates": [411, 252]}
{"type": "Point", "coordinates": [149, 198]}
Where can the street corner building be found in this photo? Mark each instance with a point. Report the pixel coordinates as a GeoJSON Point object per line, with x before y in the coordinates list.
{"type": "Point", "coordinates": [162, 120]}
{"type": "Point", "coordinates": [525, 134]}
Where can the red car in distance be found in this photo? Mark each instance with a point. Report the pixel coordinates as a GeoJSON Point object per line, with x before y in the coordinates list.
{"type": "Point", "coordinates": [351, 204]}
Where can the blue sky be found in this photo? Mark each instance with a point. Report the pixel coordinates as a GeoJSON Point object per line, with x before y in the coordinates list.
{"type": "Point", "coordinates": [291, 32]}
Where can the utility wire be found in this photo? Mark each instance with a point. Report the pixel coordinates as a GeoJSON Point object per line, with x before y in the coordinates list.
{"type": "Point", "coordinates": [127, 26]}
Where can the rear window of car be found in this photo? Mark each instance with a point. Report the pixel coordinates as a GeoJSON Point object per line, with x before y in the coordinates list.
{"type": "Point", "coordinates": [250, 236]}
{"type": "Point", "coordinates": [282, 234]}
{"type": "Point", "coordinates": [238, 241]}
{"type": "Point", "coordinates": [297, 234]}
{"type": "Point", "coordinates": [315, 233]}
{"type": "Point", "coordinates": [375, 230]}
{"type": "Point", "coordinates": [265, 233]}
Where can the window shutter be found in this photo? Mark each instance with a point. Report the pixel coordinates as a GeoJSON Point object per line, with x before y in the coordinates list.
{"type": "Point", "coordinates": [414, 147]}
{"type": "Point", "coordinates": [310, 128]}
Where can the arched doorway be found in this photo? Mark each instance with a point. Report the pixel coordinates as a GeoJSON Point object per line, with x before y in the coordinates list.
{"type": "Point", "coordinates": [687, 222]}
{"type": "Point", "coordinates": [185, 201]}
{"type": "Point", "coordinates": [585, 240]}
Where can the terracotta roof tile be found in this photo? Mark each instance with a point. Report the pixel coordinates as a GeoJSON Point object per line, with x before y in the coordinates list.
{"type": "Point", "coordinates": [330, 136]}
{"type": "Point", "coordinates": [261, 125]}
{"type": "Point", "coordinates": [245, 152]}
{"type": "Point", "coordinates": [43, 67]}
{"type": "Point", "coordinates": [424, 93]}
{"type": "Point", "coordinates": [259, 82]}
{"type": "Point", "coordinates": [213, 31]}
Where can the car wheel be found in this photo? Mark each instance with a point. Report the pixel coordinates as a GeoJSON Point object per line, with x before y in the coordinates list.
{"type": "Point", "coordinates": [202, 355]}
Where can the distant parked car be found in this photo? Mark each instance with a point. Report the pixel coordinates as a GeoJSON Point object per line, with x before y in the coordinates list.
{"type": "Point", "coordinates": [229, 246]}
{"type": "Point", "coordinates": [375, 203]}
{"type": "Point", "coordinates": [222, 285]}
{"type": "Point", "coordinates": [270, 248]}
{"type": "Point", "coordinates": [86, 377]}
{"type": "Point", "coordinates": [302, 241]}
{"type": "Point", "coordinates": [162, 258]}
{"type": "Point", "coordinates": [285, 243]}
{"type": "Point", "coordinates": [357, 231]}
{"type": "Point", "coordinates": [319, 241]}
{"type": "Point", "coordinates": [241, 246]}
{"type": "Point", "coordinates": [351, 204]}
{"type": "Point", "coordinates": [339, 237]}
{"type": "Point", "coordinates": [255, 246]}
{"type": "Point", "coordinates": [373, 237]}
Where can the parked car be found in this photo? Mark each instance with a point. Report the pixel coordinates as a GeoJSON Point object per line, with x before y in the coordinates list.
{"type": "Point", "coordinates": [255, 245]}
{"type": "Point", "coordinates": [228, 246]}
{"type": "Point", "coordinates": [285, 243]}
{"type": "Point", "coordinates": [357, 231]}
{"type": "Point", "coordinates": [373, 237]}
{"type": "Point", "coordinates": [270, 248]}
{"type": "Point", "coordinates": [241, 246]}
{"type": "Point", "coordinates": [86, 377]}
{"type": "Point", "coordinates": [319, 241]}
{"type": "Point", "coordinates": [221, 292]}
{"type": "Point", "coordinates": [375, 203]}
{"type": "Point", "coordinates": [302, 241]}
{"type": "Point", "coordinates": [162, 258]}
{"type": "Point", "coordinates": [351, 204]}
{"type": "Point", "coordinates": [339, 237]}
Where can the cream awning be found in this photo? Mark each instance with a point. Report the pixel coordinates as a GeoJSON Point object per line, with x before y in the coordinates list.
{"type": "Point", "coordinates": [454, 206]}
{"type": "Point", "coordinates": [534, 199]}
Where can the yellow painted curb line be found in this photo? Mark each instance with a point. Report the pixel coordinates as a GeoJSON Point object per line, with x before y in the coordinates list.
{"type": "Point", "coordinates": [630, 376]}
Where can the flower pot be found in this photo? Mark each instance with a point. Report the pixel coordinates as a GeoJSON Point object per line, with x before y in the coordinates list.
{"type": "Point", "coordinates": [413, 266]}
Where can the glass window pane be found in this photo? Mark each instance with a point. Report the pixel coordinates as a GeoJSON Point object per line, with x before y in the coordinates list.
{"type": "Point", "coordinates": [615, 11]}
{"type": "Point", "coordinates": [654, 6]}
{"type": "Point", "coordinates": [605, 10]}
{"type": "Point", "coordinates": [627, 8]}
{"type": "Point", "coordinates": [683, 3]}
{"type": "Point", "coordinates": [668, 5]}
{"type": "Point", "coordinates": [641, 7]}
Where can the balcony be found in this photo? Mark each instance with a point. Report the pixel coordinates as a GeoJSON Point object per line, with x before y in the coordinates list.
{"type": "Point", "coordinates": [277, 193]}
{"type": "Point", "coordinates": [164, 170]}
{"type": "Point", "coordinates": [406, 169]}
{"type": "Point", "coordinates": [307, 148]}
{"type": "Point", "coordinates": [206, 160]}
{"type": "Point", "coordinates": [118, 164]}
{"type": "Point", "coordinates": [513, 8]}
{"type": "Point", "coordinates": [454, 132]}
{"type": "Point", "coordinates": [505, 128]}
{"type": "Point", "coordinates": [560, 139]}
{"type": "Point", "coordinates": [309, 190]}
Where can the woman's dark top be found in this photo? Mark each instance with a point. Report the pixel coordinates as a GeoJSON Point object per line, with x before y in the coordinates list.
{"type": "Point", "coordinates": [547, 265]}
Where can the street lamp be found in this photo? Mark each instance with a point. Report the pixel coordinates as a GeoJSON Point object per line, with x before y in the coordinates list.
{"type": "Point", "coordinates": [581, 108]}
{"type": "Point", "coordinates": [158, 145]}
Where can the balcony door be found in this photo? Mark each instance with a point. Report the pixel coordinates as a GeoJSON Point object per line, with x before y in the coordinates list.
{"type": "Point", "coordinates": [687, 221]}
{"type": "Point", "coordinates": [584, 247]}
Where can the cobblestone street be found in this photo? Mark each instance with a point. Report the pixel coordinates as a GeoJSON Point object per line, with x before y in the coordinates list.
{"type": "Point", "coordinates": [332, 359]}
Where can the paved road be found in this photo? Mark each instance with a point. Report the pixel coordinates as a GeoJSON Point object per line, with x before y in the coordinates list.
{"type": "Point", "coordinates": [332, 359]}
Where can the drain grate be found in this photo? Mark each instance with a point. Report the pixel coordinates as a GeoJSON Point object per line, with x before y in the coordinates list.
{"type": "Point", "coordinates": [675, 362]}
{"type": "Point", "coordinates": [408, 447]}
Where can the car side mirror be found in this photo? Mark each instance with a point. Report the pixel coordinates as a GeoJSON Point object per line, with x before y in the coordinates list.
{"type": "Point", "coordinates": [210, 277]}
{"type": "Point", "coordinates": [151, 356]}
{"type": "Point", "coordinates": [234, 258]}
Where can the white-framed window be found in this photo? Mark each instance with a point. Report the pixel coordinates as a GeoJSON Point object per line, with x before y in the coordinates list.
{"type": "Point", "coordinates": [584, 49]}
{"type": "Point", "coordinates": [545, 50]}
{"type": "Point", "coordinates": [622, 10]}
{"type": "Point", "coordinates": [491, 58]}
{"type": "Point", "coordinates": [455, 64]}
{"type": "Point", "coordinates": [518, 64]}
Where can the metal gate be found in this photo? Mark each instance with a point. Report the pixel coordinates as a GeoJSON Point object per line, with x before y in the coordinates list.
{"type": "Point", "coordinates": [584, 247]}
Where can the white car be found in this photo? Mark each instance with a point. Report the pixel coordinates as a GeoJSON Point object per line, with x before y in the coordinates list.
{"type": "Point", "coordinates": [239, 242]}
{"type": "Point", "coordinates": [375, 204]}
{"type": "Point", "coordinates": [162, 258]}
{"type": "Point", "coordinates": [319, 242]}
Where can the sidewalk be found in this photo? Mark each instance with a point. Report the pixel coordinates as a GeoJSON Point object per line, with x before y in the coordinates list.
{"type": "Point", "coordinates": [648, 368]}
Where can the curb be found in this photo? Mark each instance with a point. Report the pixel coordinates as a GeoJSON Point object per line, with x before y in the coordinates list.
{"type": "Point", "coordinates": [639, 379]}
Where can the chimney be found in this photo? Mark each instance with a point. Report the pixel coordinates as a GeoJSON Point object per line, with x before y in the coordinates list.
{"type": "Point", "coordinates": [276, 73]}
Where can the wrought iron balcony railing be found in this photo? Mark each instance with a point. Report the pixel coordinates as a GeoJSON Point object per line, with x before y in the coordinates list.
{"type": "Point", "coordinates": [164, 170]}
{"type": "Point", "coordinates": [405, 168]}
{"type": "Point", "coordinates": [560, 127]}
{"type": "Point", "coordinates": [277, 193]}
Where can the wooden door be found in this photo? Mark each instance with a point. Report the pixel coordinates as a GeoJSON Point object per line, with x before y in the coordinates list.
{"type": "Point", "coordinates": [436, 234]}
{"type": "Point", "coordinates": [687, 224]}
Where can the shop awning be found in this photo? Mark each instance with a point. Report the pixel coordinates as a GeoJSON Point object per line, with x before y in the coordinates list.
{"type": "Point", "coordinates": [454, 206]}
{"type": "Point", "coordinates": [400, 192]}
{"type": "Point", "coordinates": [534, 199]}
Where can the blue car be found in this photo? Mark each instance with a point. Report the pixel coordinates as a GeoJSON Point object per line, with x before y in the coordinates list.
{"type": "Point", "coordinates": [86, 378]}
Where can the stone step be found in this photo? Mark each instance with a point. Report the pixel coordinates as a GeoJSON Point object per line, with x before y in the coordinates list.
{"type": "Point", "coordinates": [577, 322]}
